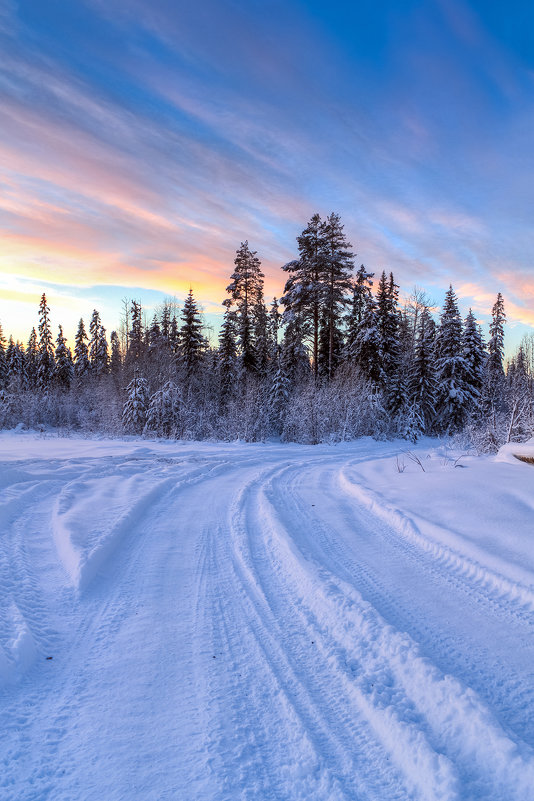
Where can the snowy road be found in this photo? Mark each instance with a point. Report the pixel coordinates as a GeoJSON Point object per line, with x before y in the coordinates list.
{"type": "Point", "coordinates": [212, 622]}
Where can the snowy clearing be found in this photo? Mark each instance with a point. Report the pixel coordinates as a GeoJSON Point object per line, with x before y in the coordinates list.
{"type": "Point", "coordinates": [196, 621]}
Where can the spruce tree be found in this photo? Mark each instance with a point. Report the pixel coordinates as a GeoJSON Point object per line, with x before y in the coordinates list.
{"type": "Point", "coordinates": [361, 296]}
{"type": "Point", "coordinates": [191, 342]}
{"type": "Point", "coordinates": [98, 346]}
{"type": "Point", "coordinates": [387, 320]}
{"type": "Point", "coordinates": [64, 366]}
{"type": "Point", "coordinates": [422, 383]}
{"type": "Point", "coordinates": [136, 344]}
{"type": "Point", "coordinates": [273, 329]}
{"type": "Point", "coordinates": [279, 391]}
{"type": "Point", "coordinates": [8, 373]}
{"type": "Point", "coordinates": [116, 355]}
{"type": "Point", "coordinates": [475, 359]}
{"type": "Point", "coordinates": [494, 398]}
{"type": "Point", "coordinates": [81, 352]}
{"type": "Point", "coordinates": [3, 362]}
{"type": "Point", "coordinates": [16, 366]}
{"type": "Point", "coordinates": [454, 395]}
{"type": "Point", "coordinates": [32, 360]}
{"type": "Point", "coordinates": [227, 352]}
{"type": "Point", "coordinates": [262, 342]}
{"type": "Point", "coordinates": [45, 357]}
{"type": "Point", "coordinates": [365, 350]}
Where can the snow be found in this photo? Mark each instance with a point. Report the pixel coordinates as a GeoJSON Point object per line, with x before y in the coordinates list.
{"type": "Point", "coordinates": [246, 621]}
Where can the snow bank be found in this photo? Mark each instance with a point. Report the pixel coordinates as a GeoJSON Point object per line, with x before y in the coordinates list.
{"type": "Point", "coordinates": [512, 450]}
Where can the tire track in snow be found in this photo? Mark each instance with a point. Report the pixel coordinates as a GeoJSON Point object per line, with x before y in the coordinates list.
{"type": "Point", "coordinates": [370, 736]}
{"type": "Point", "coordinates": [513, 777]}
{"type": "Point", "coordinates": [91, 623]}
{"type": "Point", "coordinates": [401, 602]}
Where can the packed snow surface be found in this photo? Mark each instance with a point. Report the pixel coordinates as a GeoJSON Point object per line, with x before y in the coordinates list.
{"type": "Point", "coordinates": [215, 622]}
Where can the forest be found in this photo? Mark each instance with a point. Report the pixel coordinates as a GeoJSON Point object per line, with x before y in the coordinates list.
{"type": "Point", "coordinates": [338, 356]}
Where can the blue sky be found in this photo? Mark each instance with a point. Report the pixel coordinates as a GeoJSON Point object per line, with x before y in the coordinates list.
{"type": "Point", "coordinates": [141, 142]}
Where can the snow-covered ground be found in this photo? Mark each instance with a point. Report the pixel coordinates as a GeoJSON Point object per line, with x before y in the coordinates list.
{"type": "Point", "coordinates": [215, 622]}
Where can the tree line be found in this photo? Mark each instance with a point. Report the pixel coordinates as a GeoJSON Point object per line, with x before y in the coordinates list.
{"type": "Point", "coordinates": [336, 357]}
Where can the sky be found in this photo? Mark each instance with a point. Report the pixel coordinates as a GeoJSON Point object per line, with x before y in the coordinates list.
{"type": "Point", "coordinates": [142, 141]}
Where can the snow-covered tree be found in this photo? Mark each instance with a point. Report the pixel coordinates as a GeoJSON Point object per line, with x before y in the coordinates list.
{"type": "Point", "coordinates": [303, 292]}
{"type": "Point", "coordinates": [454, 395]}
{"type": "Point", "coordinates": [227, 352]}
{"type": "Point", "coordinates": [365, 348]}
{"type": "Point", "coordinates": [387, 323]}
{"type": "Point", "coordinates": [135, 409]}
{"type": "Point", "coordinates": [494, 396]}
{"type": "Point", "coordinates": [279, 391]}
{"type": "Point", "coordinates": [16, 367]}
{"type": "Point", "coordinates": [164, 411]}
{"type": "Point", "coordinates": [422, 383]}
{"type": "Point", "coordinates": [361, 297]}
{"type": "Point", "coordinates": [475, 358]}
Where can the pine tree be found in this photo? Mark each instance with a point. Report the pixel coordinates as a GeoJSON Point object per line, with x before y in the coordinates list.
{"type": "Point", "coordinates": [303, 292]}
{"type": "Point", "coordinates": [45, 358]}
{"type": "Point", "coordinates": [336, 290]}
{"type": "Point", "coordinates": [64, 367]}
{"type": "Point", "coordinates": [454, 396]}
{"type": "Point", "coordinates": [135, 409]}
{"type": "Point", "coordinates": [246, 292]}
{"type": "Point", "coordinates": [191, 342]}
{"type": "Point", "coordinates": [81, 352]}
